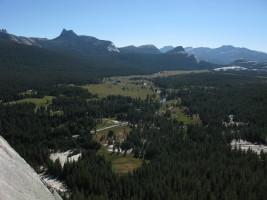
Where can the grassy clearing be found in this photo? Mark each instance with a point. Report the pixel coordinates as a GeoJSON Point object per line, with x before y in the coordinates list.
{"type": "Point", "coordinates": [177, 72]}
{"type": "Point", "coordinates": [178, 113]}
{"type": "Point", "coordinates": [123, 88]}
{"type": "Point", "coordinates": [166, 105]}
{"type": "Point", "coordinates": [102, 125]}
{"type": "Point", "coordinates": [120, 163]}
{"type": "Point", "coordinates": [180, 116]}
{"type": "Point", "coordinates": [119, 131]}
{"type": "Point", "coordinates": [45, 101]}
{"type": "Point", "coordinates": [162, 74]}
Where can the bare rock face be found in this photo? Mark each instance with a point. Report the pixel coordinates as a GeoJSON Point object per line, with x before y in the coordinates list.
{"type": "Point", "coordinates": [18, 181]}
{"type": "Point", "coordinates": [19, 39]}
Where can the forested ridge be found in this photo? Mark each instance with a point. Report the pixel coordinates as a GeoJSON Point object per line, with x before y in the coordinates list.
{"type": "Point", "coordinates": [179, 161]}
{"type": "Point", "coordinates": [33, 68]}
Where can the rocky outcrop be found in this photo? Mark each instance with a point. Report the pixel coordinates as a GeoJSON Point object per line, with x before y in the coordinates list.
{"type": "Point", "coordinates": [18, 181]}
{"type": "Point", "coordinates": [19, 39]}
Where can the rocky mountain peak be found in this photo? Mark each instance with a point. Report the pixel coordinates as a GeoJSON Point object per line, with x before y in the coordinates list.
{"type": "Point", "coordinates": [67, 34]}
{"type": "Point", "coordinates": [3, 31]}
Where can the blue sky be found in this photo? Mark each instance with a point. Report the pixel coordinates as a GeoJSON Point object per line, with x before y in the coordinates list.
{"type": "Point", "coordinates": [208, 23]}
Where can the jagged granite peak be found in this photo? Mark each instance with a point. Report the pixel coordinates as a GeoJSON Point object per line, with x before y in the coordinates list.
{"type": "Point", "coordinates": [166, 49]}
{"type": "Point", "coordinates": [143, 49]}
{"type": "Point", "coordinates": [64, 31]}
{"type": "Point", "coordinates": [69, 42]}
{"type": "Point", "coordinates": [18, 181]}
{"type": "Point", "coordinates": [66, 34]}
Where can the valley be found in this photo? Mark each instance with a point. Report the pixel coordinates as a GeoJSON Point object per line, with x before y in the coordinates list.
{"type": "Point", "coordinates": [118, 132]}
{"type": "Point", "coordinates": [134, 86]}
{"type": "Point", "coordinates": [137, 122]}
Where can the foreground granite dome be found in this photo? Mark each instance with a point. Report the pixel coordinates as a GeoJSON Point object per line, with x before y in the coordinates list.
{"type": "Point", "coordinates": [18, 181]}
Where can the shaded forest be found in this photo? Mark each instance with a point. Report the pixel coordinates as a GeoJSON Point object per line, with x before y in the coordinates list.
{"type": "Point", "coordinates": [32, 68]}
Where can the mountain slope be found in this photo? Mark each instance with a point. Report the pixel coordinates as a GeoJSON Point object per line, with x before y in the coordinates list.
{"type": "Point", "coordinates": [25, 67]}
{"type": "Point", "coordinates": [166, 49]}
{"type": "Point", "coordinates": [19, 39]}
{"type": "Point", "coordinates": [145, 49]}
{"type": "Point", "coordinates": [255, 65]}
{"type": "Point", "coordinates": [152, 63]}
{"type": "Point", "coordinates": [70, 42]}
{"type": "Point", "coordinates": [227, 54]}
{"type": "Point", "coordinates": [18, 180]}
{"type": "Point", "coordinates": [176, 50]}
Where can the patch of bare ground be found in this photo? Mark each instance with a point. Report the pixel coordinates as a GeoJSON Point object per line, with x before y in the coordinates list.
{"type": "Point", "coordinates": [245, 145]}
{"type": "Point", "coordinates": [64, 156]}
{"type": "Point", "coordinates": [54, 183]}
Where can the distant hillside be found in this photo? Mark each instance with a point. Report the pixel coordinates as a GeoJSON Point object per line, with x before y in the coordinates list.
{"type": "Point", "coordinates": [166, 49]}
{"type": "Point", "coordinates": [145, 49]}
{"type": "Point", "coordinates": [252, 68]}
{"type": "Point", "coordinates": [176, 50]}
{"type": "Point", "coordinates": [226, 54]}
{"type": "Point", "coordinates": [25, 67]}
{"type": "Point", "coordinates": [158, 62]}
{"type": "Point", "coordinates": [250, 64]}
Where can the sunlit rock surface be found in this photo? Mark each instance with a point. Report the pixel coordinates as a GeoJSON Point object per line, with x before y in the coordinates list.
{"type": "Point", "coordinates": [18, 181]}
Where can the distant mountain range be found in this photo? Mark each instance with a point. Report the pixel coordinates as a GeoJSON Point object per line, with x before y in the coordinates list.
{"type": "Point", "coordinates": [226, 54]}
{"type": "Point", "coordinates": [32, 63]}
{"type": "Point", "coordinates": [105, 53]}
{"type": "Point", "coordinates": [70, 42]}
